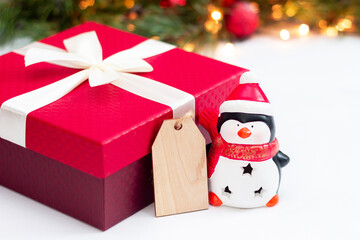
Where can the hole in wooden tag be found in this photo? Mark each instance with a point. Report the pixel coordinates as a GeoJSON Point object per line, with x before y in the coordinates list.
{"type": "Point", "coordinates": [178, 126]}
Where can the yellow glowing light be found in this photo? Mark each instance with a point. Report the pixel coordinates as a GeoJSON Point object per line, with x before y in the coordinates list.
{"type": "Point", "coordinates": [291, 8]}
{"type": "Point", "coordinates": [228, 48]}
{"type": "Point", "coordinates": [156, 37]}
{"type": "Point", "coordinates": [277, 14]}
{"type": "Point", "coordinates": [83, 4]}
{"type": "Point", "coordinates": [347, 23]}
{"type": "Point", "coordinates": [304, 29]}
{"type": "Point", "coordinates": [344, 24]}
{"type": "Point", "coordinates": [209, 25]}
{"type": "Point", "coordinates": [339, 28]}
{"type": "Point", "coordinates": [284, 34]}
{"type": "Point", "coordinates": [254, 6]}
{"type": "Point", "coordinates": [212, 26]}
{"type": "Point", "coordinates": [132, 15]}
{"type": "Point", "coordinates": [322, 24]}
{"type": "Point", "coordinates": [277, 11]}
{"type": "Point", "coordinates": [331, 31]}
{"type": "Point", "coordinates": [130, 27]}
{"type": "Point", "coordinates": [216, 15]}
{"type": "Point", "coordinates": [189, 47]}
{"type": "Point", "coordinates": [290, 12]}
{"type": "Point", "coordinates": [276, 7]}
{"type": "Point", "coordinates": [129, 3]}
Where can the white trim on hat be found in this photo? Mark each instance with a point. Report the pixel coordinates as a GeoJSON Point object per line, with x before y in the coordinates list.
{"type": "Point", "coordinates": [248, 77]}
{"type": "Point", "coordinates": [245, 106]}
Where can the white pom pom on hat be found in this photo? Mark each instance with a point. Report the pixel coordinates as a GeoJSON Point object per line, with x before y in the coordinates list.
{"type": "Point", "coordinates": [248, 97]}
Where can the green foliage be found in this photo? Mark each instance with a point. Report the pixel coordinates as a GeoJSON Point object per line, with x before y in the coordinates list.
{"type": "Point", "coordinates": [174, 24]}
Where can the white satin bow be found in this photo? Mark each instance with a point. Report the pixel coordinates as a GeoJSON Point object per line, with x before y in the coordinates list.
{"type": "Point", "coordinates": [84, 52]}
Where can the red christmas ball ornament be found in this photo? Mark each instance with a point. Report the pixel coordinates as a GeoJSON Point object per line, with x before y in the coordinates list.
{"type": "Point", "coordinates": [172, 3]}
{"type": "Point", "coordinates": [227, 3]}
{"type": "Point", "coordinates": [242, 20]}
{"type": "Point", "coordinates": [178, 2]}
{"type": "Point", "coordinates": [165, 4]}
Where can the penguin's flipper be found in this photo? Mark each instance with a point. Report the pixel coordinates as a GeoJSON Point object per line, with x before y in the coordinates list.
{"type": "Point", "coordinates": [273, 201]}
{"type": "Point", "coordinates": [214, 199]}
{"type": "Point", "coordinates": [281, 159]}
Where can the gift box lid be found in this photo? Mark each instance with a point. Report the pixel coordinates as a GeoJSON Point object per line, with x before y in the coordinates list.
{"type": "Point", "coordinates": [100, 130]}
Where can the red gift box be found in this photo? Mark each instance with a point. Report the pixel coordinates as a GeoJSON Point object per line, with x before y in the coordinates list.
{"type": "Point", "coordinates": [87, 154]}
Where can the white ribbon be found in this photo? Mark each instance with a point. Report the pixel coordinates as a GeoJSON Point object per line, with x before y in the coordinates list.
{"type": "Point", "coordinates": [84, 52]}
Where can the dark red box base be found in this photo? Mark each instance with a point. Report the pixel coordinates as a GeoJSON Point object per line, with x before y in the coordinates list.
{"type": "Point", "coordinates": [101, 203]}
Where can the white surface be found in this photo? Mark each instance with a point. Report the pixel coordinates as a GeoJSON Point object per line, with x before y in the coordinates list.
{"type": "Point", "coordinates": [314, 85]}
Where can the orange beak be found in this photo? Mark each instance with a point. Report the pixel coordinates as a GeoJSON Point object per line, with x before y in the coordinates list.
{"type": "Point", "coordinates": [244, 132]}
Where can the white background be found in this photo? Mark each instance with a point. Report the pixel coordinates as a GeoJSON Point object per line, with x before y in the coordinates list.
{"type": "Point", "coordinates": [314, 83]}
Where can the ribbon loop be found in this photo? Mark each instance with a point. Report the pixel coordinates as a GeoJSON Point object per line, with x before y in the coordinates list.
{"type": "Point", "coordinates": [86, 45]}
{"type": "Point", "coordinates": [65, 59]}
{"type": "Point", "coordinates": [148, 48]}
{"type": "Point", "coordinates": [84, 52]}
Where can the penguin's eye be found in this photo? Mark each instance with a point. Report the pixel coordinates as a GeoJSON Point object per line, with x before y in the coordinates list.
{"type": "Point", "coordinates": [237, 124]}
{"type": "Point", "coordinates": [252, 126]}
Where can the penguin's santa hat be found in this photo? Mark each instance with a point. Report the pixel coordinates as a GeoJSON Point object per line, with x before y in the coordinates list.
{"type": "Point", "coordinates": [248, 97]}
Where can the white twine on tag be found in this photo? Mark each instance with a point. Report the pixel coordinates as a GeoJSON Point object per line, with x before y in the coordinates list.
{"type": "Point", "coordinates": [178, 124]}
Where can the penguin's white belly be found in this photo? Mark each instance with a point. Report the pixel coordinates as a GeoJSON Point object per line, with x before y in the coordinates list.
{"type": "Point", "coordinates": [244, 184]}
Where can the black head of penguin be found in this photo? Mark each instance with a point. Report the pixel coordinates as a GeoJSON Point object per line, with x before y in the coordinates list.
{"type": "Point", "coordinates": [248, 117]}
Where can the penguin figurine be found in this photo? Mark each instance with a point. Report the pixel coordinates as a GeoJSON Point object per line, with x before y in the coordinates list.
{"type": "Point", "coordinates": [244, 161]}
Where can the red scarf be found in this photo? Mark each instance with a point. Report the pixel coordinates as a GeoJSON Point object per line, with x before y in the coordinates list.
{"type": "Point", "coordinates": [253, 153]}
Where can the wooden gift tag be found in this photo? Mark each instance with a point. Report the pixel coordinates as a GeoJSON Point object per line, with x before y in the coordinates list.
{"type": "Point", "coordinates": [179, 168]}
